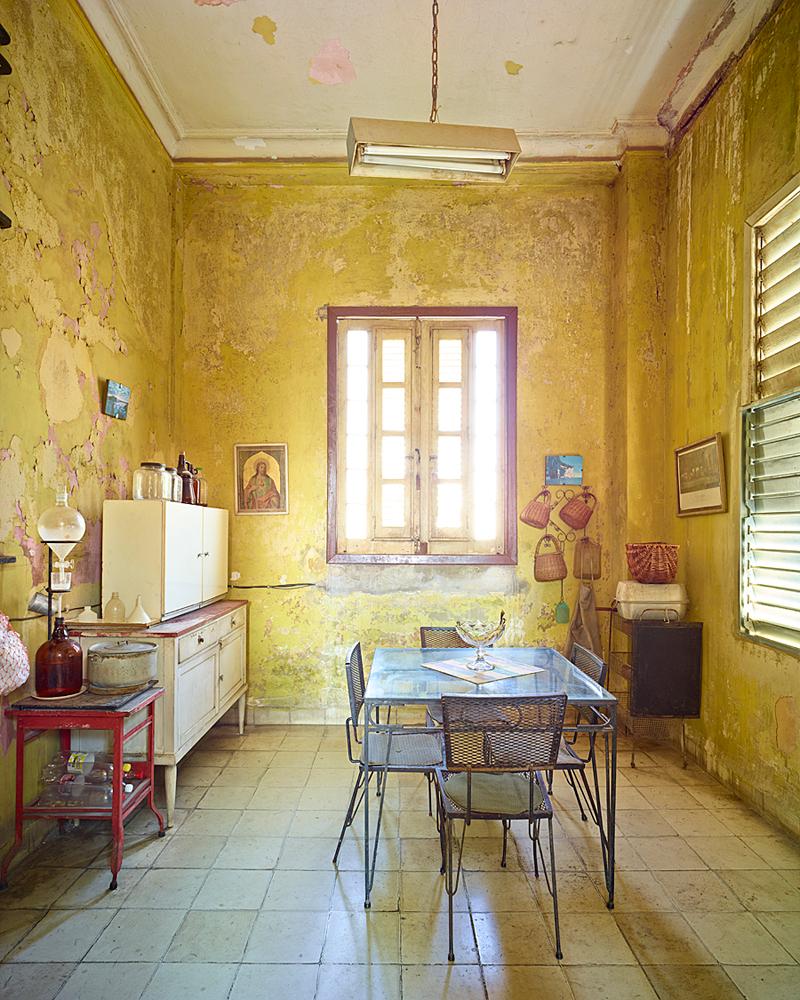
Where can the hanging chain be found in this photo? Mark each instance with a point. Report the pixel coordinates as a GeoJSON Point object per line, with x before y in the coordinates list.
{"type": "Point", "coordinates": [435, 63]}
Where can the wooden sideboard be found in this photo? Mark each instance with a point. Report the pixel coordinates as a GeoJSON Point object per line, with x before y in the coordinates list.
{"type": "Point", "coordinates": [202, 666]}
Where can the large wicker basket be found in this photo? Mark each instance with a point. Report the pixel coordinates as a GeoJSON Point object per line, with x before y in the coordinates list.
{"type": "Point", "coordinates": [652, 562]}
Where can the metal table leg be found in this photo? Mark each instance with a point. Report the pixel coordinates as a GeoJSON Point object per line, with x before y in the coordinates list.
{"type": "Point", "coordinates": [611, 802]}
{"type": "Point", "coordinates": [365, 766]}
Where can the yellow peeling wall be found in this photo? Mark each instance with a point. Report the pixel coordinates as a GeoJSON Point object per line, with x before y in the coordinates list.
{"type": "Point", "coordinates": [264, 250]}
{"type": "Point", "coordinates": [85, 295]}
{"type": "Point", "coordinates": [743, 147]}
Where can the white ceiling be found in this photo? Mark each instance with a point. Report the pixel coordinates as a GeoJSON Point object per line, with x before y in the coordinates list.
{"type": "Point", "coordinates": [595, 76]}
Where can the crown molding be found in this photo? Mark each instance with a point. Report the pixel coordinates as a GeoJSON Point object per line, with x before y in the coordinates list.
{"type": "Point", "coordinates": [111, 27]}
{"type": "Point", "coordinates": [329, 144]}
{"type": "Point", "coordinates": [725, 42]}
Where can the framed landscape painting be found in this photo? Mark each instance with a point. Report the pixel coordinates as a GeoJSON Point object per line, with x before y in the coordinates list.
{"type": "Point", "coordinates": [700, 477]}
{"type": "Point", "coordinates": [262, 481]}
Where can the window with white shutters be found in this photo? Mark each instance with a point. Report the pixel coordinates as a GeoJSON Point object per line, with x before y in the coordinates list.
{"type": "Point", "coordinates": [777, 302]}
{"type": "Point", "coordinates": [770, 552]}
{"type": "Point", "coordinates": [421, 436]}
{"type": "Point", "coordinates": [770, 572]}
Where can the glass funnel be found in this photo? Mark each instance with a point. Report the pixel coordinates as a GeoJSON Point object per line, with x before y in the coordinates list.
{"type": "Point", "coordinates": [61, 527]}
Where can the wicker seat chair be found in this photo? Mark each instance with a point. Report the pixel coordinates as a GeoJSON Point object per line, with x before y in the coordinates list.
{"type": "Point", "coordinates": [403, 749]}
{"type": "Point", "coordinates": [572, 763]}
{"type": "Point", "coordinates": [495, 750]}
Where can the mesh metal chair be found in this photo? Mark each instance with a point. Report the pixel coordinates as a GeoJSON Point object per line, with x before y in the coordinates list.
{"type": "Point", "coordinates": [398, 749]}
{"type": "Point", "coordinates": [495, 750]}
{"type": "Point", "coordinates": [439, 637]}
{"type": "Point", "coordinates": [572, 763]}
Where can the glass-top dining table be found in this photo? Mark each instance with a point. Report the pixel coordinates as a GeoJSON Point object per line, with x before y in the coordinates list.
{"type": "Point", "coordinates": [398, 678]}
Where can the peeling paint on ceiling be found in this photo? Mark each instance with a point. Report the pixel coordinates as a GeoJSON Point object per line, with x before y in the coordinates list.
{"type": "Point", "coordinates": [265, 27]}
{"type": "Point", "coordinates": [331, 65]}
{"type": "Point", "coordinates": [596, 74]}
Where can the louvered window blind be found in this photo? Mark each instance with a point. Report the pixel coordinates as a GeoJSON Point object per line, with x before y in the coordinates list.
{"type": "Point", "coordinates": [777, 304]}
{"type": "Point", "coordinates": [770, 571]}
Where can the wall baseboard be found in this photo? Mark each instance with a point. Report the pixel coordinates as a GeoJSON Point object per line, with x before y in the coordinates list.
{"type": "Point", "coordinates": [781, 810]}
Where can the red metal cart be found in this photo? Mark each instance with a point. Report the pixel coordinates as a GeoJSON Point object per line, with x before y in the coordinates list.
{"type": "Point", "coordinates": [88, 711]}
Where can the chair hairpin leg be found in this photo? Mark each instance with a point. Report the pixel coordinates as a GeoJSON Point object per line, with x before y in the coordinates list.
{"type": "Point", "coordinates": [554, 888]}
{"type": "Point", "coordinates": [352, 809]}
{"type": "Point", "coordinates": [571, 782]}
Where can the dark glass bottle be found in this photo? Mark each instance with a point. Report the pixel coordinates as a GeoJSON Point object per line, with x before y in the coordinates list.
{"type": "Point", "coordinates": [184, 471]}
{"type": "Point", "coordinates": [59, 664]}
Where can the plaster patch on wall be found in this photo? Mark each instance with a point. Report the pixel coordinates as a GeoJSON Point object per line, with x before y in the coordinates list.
{"type": "Point", "coordinates": [786, 725]}
{"type": "Point", "coordinates": [265, 27]}
{"type": "Point", "coordinates": [58, 375]}
{"type": "Point", "coordinates": [44, 301]}
{"type": "Point", "coordinates": [11, 339]}
{"type": "Point", "coordinates": [12, 483]}
{"type": "Point", "coordinates": [331, 65]}
{"type": "Point", "coordinates": [512, 68]}
{"type": "Point", "coordinates": [249, 142]}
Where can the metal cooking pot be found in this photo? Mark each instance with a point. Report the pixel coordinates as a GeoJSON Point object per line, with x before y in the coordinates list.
{"type": "Point", "coordinates": [121, 667]}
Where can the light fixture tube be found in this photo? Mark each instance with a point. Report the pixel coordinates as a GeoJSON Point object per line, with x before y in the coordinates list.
{"type": "Point", "coordinates": [468, 167]}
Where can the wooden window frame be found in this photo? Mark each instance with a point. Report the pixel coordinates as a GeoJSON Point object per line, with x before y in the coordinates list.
{"type": "Point", "coordinates": [508, 315]}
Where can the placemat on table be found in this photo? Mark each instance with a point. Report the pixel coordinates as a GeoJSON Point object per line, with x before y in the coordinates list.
{"type": "Point", "coordinates": [503, 669]}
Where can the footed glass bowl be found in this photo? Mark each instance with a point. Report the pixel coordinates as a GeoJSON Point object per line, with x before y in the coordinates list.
{"type": "Point", "coordinates": [480, 635]}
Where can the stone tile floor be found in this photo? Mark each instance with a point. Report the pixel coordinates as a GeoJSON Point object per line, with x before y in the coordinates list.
{"type": "Point", "coordinates": [241, 900]}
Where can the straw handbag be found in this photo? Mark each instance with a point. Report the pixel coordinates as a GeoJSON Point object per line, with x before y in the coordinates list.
{"type": "Point", "coordinates": [537, 513]}
{"type": "Point", "coordinates": [586, 559]}
{"type": "Point", "coordinates": [549, 566]}
{"type": "Point", "coordinates": [577, 511]}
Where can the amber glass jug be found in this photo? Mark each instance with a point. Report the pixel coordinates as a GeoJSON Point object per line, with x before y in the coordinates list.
{"type": "Point", "coordinates": [59, 664]}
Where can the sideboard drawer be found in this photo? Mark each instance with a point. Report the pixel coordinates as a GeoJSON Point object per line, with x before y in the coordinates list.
{"type": "Point", "coordinates": [204, 638]}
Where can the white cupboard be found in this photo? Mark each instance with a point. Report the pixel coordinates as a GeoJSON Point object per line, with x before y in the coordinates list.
{"type": "Point", "coordinates": [175, 555]}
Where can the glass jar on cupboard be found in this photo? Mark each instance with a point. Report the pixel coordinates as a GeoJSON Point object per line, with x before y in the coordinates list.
{"type": "Point", "coordinates": [177, 484]}
{"type": "Point", "coordinates": [151, 482]}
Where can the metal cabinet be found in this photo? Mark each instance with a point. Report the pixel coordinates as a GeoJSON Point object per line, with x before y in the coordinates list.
{"type": "Point", "coordinates": [657, 675]}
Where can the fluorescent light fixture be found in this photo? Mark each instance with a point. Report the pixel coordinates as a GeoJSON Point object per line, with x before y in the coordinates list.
{"type": "Point", "coordinates": [379, 147]}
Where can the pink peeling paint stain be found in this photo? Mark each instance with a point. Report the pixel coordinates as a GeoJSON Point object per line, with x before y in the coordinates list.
{"type": "Point", "coordinates": [216, 3]}
{"type": "Point", "coordinates": [87, 561]}
{"type": "Point", "coordinates": [331, 65]}
{"type": "Point", "coordinates": [33, 549]}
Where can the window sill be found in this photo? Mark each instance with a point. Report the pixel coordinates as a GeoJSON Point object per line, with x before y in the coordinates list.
{"type": "Point", "coordinates": [350, 558]}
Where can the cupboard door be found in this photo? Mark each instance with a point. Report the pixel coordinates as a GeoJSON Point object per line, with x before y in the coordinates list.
{"type": "Point", "coordinates": [183, 556]}
{"type": "Point", "coordinates": [215, 552]}
{"type": "Point", "coordinates": [232, 652]}
{"type": "Point", "coordinates": [196, 695]}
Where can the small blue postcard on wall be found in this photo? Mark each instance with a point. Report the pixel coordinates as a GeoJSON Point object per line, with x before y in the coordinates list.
{"type": "Point", "coordinates": [563, 470]}
{"type": "Point", "coordinates": [117, 398]}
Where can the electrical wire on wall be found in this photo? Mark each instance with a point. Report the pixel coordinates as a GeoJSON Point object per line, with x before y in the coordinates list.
{"type": "Point", "coordinates": [271, 586]}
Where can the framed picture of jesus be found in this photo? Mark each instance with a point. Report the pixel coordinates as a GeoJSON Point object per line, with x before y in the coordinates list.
{"type": "Point", "coordinates": [262, 481]}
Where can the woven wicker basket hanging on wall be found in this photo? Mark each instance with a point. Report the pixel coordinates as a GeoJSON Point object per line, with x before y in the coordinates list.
{"type": "Point", "coordinates": [577, 511]}
{"type": "Point", "coordinates": [548, 566]}
{"type": "Point", "coordinates": [537, 513]}
{"type": "Point", "coordinates": [586, 560]}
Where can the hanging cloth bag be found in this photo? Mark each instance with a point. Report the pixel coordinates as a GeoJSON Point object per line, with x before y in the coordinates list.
{"type": "Point", "coordinates": [585, 626]}
{"type": "Point", "coordinates": [577, 511]}
{"type": "Point", "coordinates": [586, 559]}
{"type": "Point", "coordinates": [537, 513]}
{"type": "Point", "coordinates": [548, 566]}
